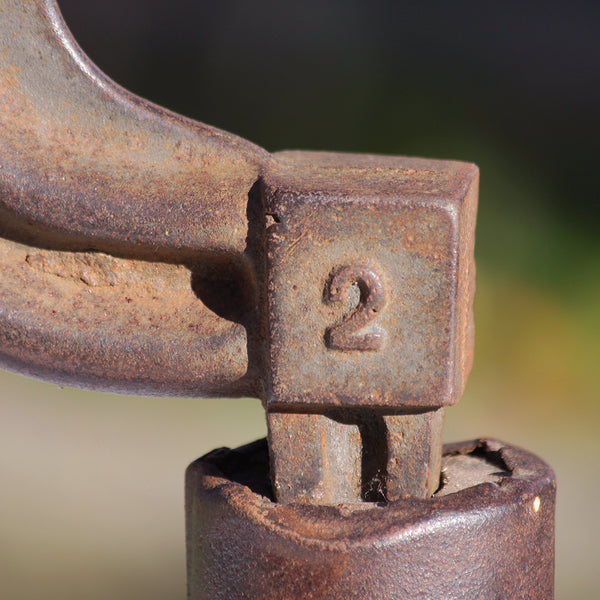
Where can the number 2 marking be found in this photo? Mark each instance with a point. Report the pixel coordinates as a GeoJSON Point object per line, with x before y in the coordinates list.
{"type": "Point", "coordinates": [347, 334]}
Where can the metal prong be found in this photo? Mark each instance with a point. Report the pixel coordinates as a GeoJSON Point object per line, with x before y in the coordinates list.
{"type": "Point", "coordinates": [414, 445]}
{"type": "Point", "coordinates": [350, 456]}
{"type": "Point", "coordinates": [314, 459]}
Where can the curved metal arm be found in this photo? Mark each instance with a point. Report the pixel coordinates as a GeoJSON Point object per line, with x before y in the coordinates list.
{"type": "Point", "coordinates": [88, 165]}
{"type": "Point", "coordinates": [87, 168]}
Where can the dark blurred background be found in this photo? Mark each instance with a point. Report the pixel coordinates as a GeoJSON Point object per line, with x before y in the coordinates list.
{"type": "Point", "coordinates": [92, 491]}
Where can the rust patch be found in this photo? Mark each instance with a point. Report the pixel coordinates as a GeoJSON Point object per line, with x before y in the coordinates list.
{"type": "Point", "coordinates": [95, 270]}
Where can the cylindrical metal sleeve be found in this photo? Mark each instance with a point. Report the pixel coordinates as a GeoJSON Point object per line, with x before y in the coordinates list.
{"type": "Point", "coordinates": [488, 533]}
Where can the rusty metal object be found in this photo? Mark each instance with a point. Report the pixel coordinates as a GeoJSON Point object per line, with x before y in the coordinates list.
{"type": "Point", "coordinates": [347, 455]}
{"type": "Point", "coordinates": [407, 222]}
{"type": "Point", "coordinates": [95, 180]}
{"type": "Point", "coordinates": [488, 533]}
{"type": "Point", "coordinates": [398, 233]}
{"type": "Point", "coordinates": [349, 334]}
{"type": "Point", "coordinates": [144, 252]}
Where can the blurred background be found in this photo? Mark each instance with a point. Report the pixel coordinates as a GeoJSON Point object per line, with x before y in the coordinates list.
{"type": "Point", "coordinates": [92, 484]}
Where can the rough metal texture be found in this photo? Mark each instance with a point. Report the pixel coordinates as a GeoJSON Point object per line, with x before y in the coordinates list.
{"type": "Point", "coordinates": [144, 252]}
{"type": "Point", "coordinates": [122, 227]}
{"type": "Point", "coordinates": [401, 231]}
{"type": "Point", "coordinates": [354, 456]}
{"type": "Point", "coordinates": [132, 239]}
{"type": "Point", "coordinates": [370, 283]}
{"type": "Point", "coordinates": [488, 533]}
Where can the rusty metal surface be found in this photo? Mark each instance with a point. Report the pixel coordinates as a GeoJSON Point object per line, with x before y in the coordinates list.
{"type": "Point", "coordinates": [132, 239]}
{"type": "Point", "coordinates": [122, 325]}
{"type": "Point", "coordinates": [370, 282]}
{"type": "Point", "coordinates": [144, 252]}
{"type": "Point", "coordinates": [413, 454]}
{"type": "Point", "coordinates": [402, 232]}
{"type": "Point", "coordinates": [122, 227]}
{"type": "Point", "coordinates": [87, 165]}
{"type": "Point", "coordinates": [487, 534]}
{"type": "Point", "coordinates": [354, 455]}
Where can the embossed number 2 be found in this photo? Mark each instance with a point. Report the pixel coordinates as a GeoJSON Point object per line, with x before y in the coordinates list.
{"type": "Point", "coordinates": [349, 334]}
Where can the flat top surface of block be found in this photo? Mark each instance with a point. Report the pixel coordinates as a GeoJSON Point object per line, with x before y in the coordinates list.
{"type": "Point", "coordinates": [367, 174]}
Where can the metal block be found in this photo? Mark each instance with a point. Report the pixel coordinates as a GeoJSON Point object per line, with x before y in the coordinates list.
{"type": "Point", "coordinates": [369, 280]}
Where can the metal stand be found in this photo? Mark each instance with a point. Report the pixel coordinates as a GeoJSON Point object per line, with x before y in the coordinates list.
{"type": "Point", "coordinates": [487, 533]}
